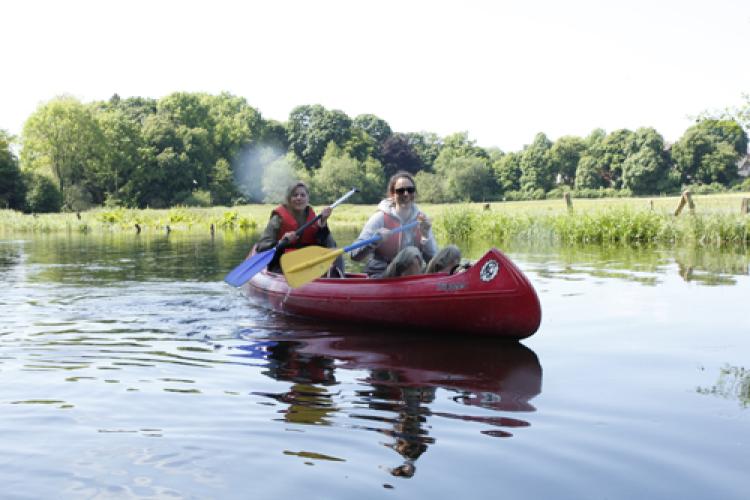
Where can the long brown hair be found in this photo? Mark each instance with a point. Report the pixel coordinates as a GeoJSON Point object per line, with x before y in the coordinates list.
{"type": "Point", "coordinates": [401, 174]}
{"type": "Point", "coordinates": [291, 188]}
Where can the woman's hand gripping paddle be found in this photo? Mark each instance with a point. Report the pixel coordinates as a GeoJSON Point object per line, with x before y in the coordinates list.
{"type": "Point", "coordinates": [255, 264]}
{"type": "Point", "coordinates": [309, 263]}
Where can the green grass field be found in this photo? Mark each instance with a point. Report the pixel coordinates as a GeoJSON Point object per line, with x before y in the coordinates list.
{"type": "Point", "coordinates": [716, 220]}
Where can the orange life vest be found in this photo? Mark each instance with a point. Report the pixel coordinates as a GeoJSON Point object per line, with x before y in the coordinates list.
{"type": "Point", "coordinates": [392, 245]}
{"type": "Point", "coordinates": [289, 223]}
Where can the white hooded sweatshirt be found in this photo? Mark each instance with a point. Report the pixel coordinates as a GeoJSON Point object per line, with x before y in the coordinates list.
{"type": "Point", "coordinates": [376, 266]}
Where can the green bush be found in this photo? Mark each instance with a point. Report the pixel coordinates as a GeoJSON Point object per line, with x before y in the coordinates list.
{"type": "Point", "coordinates": [458, 224]}
{"type": "Point", "coordinates": [712, 188]}
{"type": "Point", "coordinates": [198, 198]}
{"type": "Point", "coordinates": [116, 216]}
{"type": "Point", "coordinates": [42, 195]}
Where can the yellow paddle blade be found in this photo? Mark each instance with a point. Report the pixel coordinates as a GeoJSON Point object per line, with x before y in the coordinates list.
{"type": "Point", "coordinates": [307, 264]}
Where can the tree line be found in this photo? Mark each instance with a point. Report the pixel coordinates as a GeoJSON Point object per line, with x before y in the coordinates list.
{"type": "Point", "coordinates": [200, 149]}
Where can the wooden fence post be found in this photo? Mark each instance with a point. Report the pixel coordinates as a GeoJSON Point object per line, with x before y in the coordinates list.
{"type": "Point", "coordinates": [745, 208]}
{"type": "Point", "coordinates": [568, 201]}
{"type": "Point", "coordinates": [686, 198]}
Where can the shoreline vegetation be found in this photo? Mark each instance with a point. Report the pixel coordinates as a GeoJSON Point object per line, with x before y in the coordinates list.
{"type": "Point", "coordinates": [716, 221]}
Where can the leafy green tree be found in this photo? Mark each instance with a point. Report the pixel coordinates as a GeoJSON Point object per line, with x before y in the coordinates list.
{"type": "Point", "coordinates": [191, 140]}
{"type": "Point", "coordinates": [588, 173]}
{"type": "Point", "coordinates": [360, 145]}
{"type": "Point", "coordinates": [719, 165]}
{"type": "Point", "coordinates": [615, 148]}
{"type": "Point", "coordinates": [62, 137]}
{"type": "Point", "coordinates": [535, 165]}
{"type": "Point", "coordinates": [589, 170]}
{"type": "Point", "coordinates": [507, 172]}
{"type": "Point", "coordinates": [221, 183]}
{"type": "Point", "coordinates": [136, 109]}
{"type": "Point", "coordinates": [373, 182]}
{"type": "Point", "coordinates": [177, 161]}
{"type": "Point", "coordinates": [339, 172]}
{"type": "Point", "coordinates": [465, 167]}
{"type": "Point", "coordinates": [430, 187]}
{"type": "Point", "coordinates": [699, 157]}
{"type": "Point", "coordinates": [311, 127]}
{"type": "Point", "coordinates": [494, 154]}
{"type": "Point", "coordinates": [426, 145]}
{"type": "Point", "coordinates": [604, 157]}
{"type": "Point", "coordinates": [397, 154]}
{"type": "Point", "coordinates": [457, 145]}
{"type": "Point", "coordinates": [739, 114]}
{"type": "Point", "coordinates": [42, 195]}
{"type": "Point", "coordinates": [232, 124]}
{"type": "Point", "coordinates": [12, 187]}
{"type": "Point", "coordinates": [273, 135]}
{"type": "Point", "coordinates": [645, 170]}
{"type": "Point", "coordinates": [564, 156]}
{"type": "Point", "coordinates": [121, 155]}
{"type": "Point", "coordinates": [470, 179]}
{"type": "Point", "coordinates": [375, 127]}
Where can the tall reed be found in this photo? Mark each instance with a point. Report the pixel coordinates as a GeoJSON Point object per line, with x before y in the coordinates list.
{"type": "Point", "coordinates": [618, 225]}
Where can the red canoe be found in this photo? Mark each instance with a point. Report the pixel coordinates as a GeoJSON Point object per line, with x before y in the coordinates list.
{"type": "Point", "coordinates": [493, 297]}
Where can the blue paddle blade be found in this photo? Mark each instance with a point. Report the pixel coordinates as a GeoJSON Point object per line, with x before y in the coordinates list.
{"type": "Point", "coordinates": [249, 268]}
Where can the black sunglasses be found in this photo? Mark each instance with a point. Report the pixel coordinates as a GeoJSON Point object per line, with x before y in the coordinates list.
{"type": "Point", "coordinates": [409, 190]}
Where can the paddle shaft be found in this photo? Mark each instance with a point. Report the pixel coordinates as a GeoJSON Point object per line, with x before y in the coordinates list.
{"type": "Point", "coordinates": [377, 237]}
{"type": "Point", "coordinates": [330, 256]}
{"type": "Point", "coordinates": [249, 267]}
{"type": "Point", "coordinates": [309, 223]}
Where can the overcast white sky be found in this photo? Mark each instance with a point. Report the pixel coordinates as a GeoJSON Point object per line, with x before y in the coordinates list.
{"type": "Point", "coordinates": [500, 70]}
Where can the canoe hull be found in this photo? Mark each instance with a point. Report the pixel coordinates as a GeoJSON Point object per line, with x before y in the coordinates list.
{"type": "Point", "coordinates": [492, 298]}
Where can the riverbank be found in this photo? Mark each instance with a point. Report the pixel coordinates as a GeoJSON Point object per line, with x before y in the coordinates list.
{"type": "Point", "coordinates": [715, 220]}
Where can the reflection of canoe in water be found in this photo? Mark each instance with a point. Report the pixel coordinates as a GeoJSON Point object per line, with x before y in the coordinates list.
{"type": "Point", "coordinates": [493, 297]}
{"type": "Point", "coordinates": [489, 373]}
{"type": "Point", "coordinates": [398, 375]}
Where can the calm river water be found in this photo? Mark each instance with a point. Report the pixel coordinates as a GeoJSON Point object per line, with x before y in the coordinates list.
{"type": "Point", "coordinates": [129, 369]}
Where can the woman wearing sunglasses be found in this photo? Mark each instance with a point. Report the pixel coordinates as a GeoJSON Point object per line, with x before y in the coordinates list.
{"type": "Point", "coordinates": [396, 210]}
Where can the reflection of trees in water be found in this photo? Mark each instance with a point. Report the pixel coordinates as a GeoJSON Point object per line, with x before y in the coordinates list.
{"type": "Point", "coordinates": [733, 383]}
{"type": "Point", "coordinates": [72, 258]}
{"type": "Point", "coordinates": [404, 373]}
{"type": "Point", "coordinates": [711, 267]}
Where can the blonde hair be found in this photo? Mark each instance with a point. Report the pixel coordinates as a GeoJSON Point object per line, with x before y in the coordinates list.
{"type": "Point", "coordinates": [444, 259]}
{"type": "Point", "coordinates": [402, 261]}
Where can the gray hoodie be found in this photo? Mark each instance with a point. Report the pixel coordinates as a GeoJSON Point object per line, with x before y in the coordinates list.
{"type": "Point", "coordinates": [376, 266]}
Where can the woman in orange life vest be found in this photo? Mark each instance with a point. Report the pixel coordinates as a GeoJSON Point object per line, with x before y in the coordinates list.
{"type": "Point", "coordinates": [287, 218]}
{"type": "Point", "coordinates": [394, 211]}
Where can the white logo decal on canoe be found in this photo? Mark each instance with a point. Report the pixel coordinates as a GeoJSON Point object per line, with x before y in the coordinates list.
{"type": "Point", "coordinates": [451, 286]}
{"type": "Point", "coordinates": [489, 270]}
